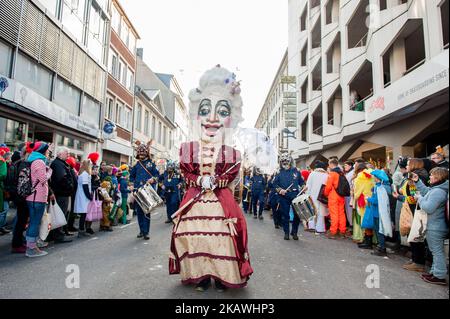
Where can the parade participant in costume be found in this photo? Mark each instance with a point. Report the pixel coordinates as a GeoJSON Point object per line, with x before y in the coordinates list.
{"type": "Point", "coordinates": [316, 180]}
{"type": "Point", "coordinates": [273, 202]}
{"type": "Point", "coordinates": [288, 183]}
{"type": "Point", "coordinates": [258, 189]}
{"type": "Point", "coordinates": [124, 191]}
{"type": "Point", "coordinates": [144, 172]}
{"type": "Point", "coordinates": [171, 188]}
{"type": "Point", "coordinates": [209, 239]}
{"type": "Point", "coordinates": [246, 193]}
{"type": "Point", "coordinates": [379, 203]}
{"type": "Point", "coordinates": [336, 203]}
{"type": "Point", "coordinates": [363, 185]}
{"type": "Point", "coordinates": [107, 203]}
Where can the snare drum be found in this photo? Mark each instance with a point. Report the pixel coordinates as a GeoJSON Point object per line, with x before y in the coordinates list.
{"type": "Point", "coordinates": [304, 207]}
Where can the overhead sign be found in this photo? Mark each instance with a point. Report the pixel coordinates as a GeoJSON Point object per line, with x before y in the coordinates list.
{"type": "Point", "coordinates": [428, 79]}
{"type": "Point", "coordinates": [22, 95]}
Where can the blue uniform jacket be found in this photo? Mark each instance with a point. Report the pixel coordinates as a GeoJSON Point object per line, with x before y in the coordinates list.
{"type": "Point", "coordinates": [139, 176]}
{"type": "Point", "coordinates": [285, 178]}
{"type": "Point", "coordinates": [258, 184]}
{"type": "Point", "coordinates": [172, 185]}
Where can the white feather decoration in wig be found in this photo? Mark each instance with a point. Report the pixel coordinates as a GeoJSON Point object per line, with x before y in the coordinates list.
{"type": "Point", "coordinates": [218, 82]}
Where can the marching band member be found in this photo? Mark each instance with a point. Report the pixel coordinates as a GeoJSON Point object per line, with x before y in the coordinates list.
{"type": "Point", "coordinates": [144, 172]}
{"type": "Point", "coordinates": [246, 192]}
{"type": "Point", "coordinates": [171, 189]}
{"type": "Point", "coordinates": [258, 189]}
{"type": "Point", "coordinates": [287, 183]}
{"type": "Point", "coordinates": [274, 202]}
{"type": "Point", "coordinates": [209, 238]}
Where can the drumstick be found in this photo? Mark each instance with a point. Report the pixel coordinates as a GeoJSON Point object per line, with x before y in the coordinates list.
{"type": "Point", "coordinates": [179, 211]}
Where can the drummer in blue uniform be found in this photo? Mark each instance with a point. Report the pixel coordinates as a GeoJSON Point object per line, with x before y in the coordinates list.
{"type": "Point", "coordinates": [246, 192]}
{"type": "Point", "coordinates": [288, 183]}
{"type": "Point", "coordinates": [144, 172]}
{"type": "Point", "coordinates": [258, 189]}
{"type": "Point", "coordinates": [273, 202]}
{"type": "Point", "coordinates": [171, 185]}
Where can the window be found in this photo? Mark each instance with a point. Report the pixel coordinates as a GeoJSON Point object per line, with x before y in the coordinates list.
{"type": "Point", "coordinates": [119, 113]}
{"type": "Point", "coordinates": [147, 123]}
{"type": "Point", "coordinates": [164, 138]}
{"type": "Point", "coordinates": [444, 22]}
{"type": "Point", "coordinates": [159, 132]}
{"type": "Point", "coordinates": [109, 112]}
{"type": "Point", "coordinates": [90, 110]}
{"type": "Point", "coordinates": [153, 128]}
{"type": "Point", "coordinates": [127, 122]}
{"type": "Point", "coordinates": [67, 96]}
{"type": "Point", "coordinates": [5, 59]}
{"type": "Point", "coordinates": [139, 117]}
{"type": "Point", "coordinates": [118, 75]}
{"type": "Point", "coordinates": [115, 19]}
{"type": "Point", "coordinates": [132, 45]}
{"type": "Point", "coordinates": [97, 34]}
{"type": "Point", "coordinates": [51, 6]}
{"type": "Point", "coordinates": [113, 60]}
{"type": "Point", "coordinates": [130, 80]}
{"type": "Point", "coordinates": [123, 78]}
{"type": "Point", "coordinates": [73, 17]}
{"type": "Point", "coordinates": [124, 32]}
{"type": "Point", "coordinates": [34, 75]}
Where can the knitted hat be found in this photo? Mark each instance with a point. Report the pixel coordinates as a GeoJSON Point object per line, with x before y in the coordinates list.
{"type": "Point", "coordinates": [41, 147]}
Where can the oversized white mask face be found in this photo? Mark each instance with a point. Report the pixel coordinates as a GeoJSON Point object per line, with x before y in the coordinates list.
{"type": "Point", "coordinates": [214, 117]}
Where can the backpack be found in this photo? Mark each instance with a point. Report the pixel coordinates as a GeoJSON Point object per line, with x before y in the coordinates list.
{"type": "Point", "coordinates": [11, 180]}
{"type": "Point", "coordinates": [24, 185]}
{"type": "Point", "coordinates": [343, 188]}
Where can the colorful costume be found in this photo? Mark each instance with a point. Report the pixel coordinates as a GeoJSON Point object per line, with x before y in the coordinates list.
{"type": "Point", "coordinates": [210, 240]}
{"type": "Point", "coordinates": [209, 237]}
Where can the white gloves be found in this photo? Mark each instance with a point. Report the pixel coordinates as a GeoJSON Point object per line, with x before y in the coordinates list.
{"type": "Point", "coordinates": [208, 182]}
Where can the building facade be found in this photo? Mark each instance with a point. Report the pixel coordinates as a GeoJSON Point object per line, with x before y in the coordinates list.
{"type": "Point", "coordinates": [372, 78]}
{"type": "Point", "coordinates": [121, 80]}
{"type": "Point", "coordinates": [53, 57]}
{"type": "Point", "coordinates": [279, 117]}
{"type": "Point", "coordinates": [158, 106]}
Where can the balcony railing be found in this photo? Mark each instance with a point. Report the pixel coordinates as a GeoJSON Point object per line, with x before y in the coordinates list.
{"type": "Point", "coordinates": [318, 131]}
{"type": "Point", "coordinates": [414, 67]}
{"type": "Point", "coordinates": [362, 42]}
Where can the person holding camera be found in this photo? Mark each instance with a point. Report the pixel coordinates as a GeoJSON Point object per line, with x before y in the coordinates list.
{"type": "Point", "coordinates": [406, 193]}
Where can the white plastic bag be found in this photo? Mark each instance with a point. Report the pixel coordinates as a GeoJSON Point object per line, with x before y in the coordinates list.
{"type": "Point", "coordinates": [46, 225]}
{"type": "Point", "coordinates": [419, 226]}
{"type": "Point", "coordinates": [58, 219]}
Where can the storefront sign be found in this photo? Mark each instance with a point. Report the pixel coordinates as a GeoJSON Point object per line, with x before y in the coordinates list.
{"type": "Point", "coordinates": [428, 79]}
{"type": "Point", "coordinates": [37, 103]}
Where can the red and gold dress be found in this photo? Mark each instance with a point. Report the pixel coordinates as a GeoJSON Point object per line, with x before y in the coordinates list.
{"type": "Point", "coordinates": [209, 239]}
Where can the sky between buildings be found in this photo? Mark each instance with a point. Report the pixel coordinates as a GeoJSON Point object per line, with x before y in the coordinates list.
{"type": "Point", "coordinates": [188, 37]}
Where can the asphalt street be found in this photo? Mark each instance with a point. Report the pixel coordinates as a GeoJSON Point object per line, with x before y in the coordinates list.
{"type": "Point", "coordinates": [118, 265]}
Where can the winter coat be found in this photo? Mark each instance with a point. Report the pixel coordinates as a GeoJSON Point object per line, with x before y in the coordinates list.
{"type": "Point", "coordinates": [40, 175]}
{"type": "Point", "coordinates": [433, 200]}
{"type": "Point", "coordinates": [315, 181]}
{"type": "Point", "coordinates": [3, 173]}
{"type": "Point", "coordinates": [61, 179]}
{"type": "Point", "coordinates": [379, 203]}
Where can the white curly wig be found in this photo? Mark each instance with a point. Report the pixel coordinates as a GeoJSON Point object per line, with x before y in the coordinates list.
{"type": "Point", "coordinates": [218, 81]}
